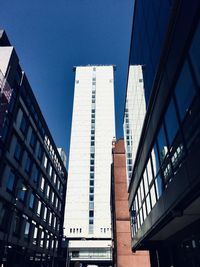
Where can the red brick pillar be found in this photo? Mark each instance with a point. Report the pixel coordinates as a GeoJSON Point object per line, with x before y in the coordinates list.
{"type": "Point", "coordinates": [122, 235]}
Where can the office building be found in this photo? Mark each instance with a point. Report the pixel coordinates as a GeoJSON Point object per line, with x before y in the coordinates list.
{"type": "Point", "coordinates": [164, 190]}
{"type": "Point", "coordinates": [87, 213]}
{"type": "Point", "coordinates": [122, 253]}
{"type": "Point", "coordinates": [33, 177]}
{"type": "Point", "coordinates": [134, 114]}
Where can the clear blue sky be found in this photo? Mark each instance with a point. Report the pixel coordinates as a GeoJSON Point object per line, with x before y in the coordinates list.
{"type": "Point", "coordinates": [50, 37]}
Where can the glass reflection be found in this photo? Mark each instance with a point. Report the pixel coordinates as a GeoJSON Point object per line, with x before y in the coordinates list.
{"type": "Point", "coordinates": [195, 53]}
{"type": "Point", "coordinates": [149, 171]}
{"type": "Point", "coordinates": [171, 122]}
{"type": "Point", "coordinates": [184, 91]}
{"type": "Point", "coordinates": [159, 186]}
{"type": "Point", "coordinates": [162, 144]}
{"type": "Point", "coordinates": [155, 160]}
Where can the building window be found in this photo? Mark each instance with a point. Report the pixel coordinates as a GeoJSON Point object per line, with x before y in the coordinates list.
{"type": "Point", "coordinates": [3, 215]}
{"type": "Point", "coordinates": [91, 213]}
{"type": "Point", "coordinates": [22, 192]}
{"type": "Point", "coordinates": [50, 170]}
{"type": "Point", "coordinates": [50, 218]}
{"type": "Point", "coordinates": [35, 235]}
{"type": "Point", "coordinates": [35, 175]}
{"type": "Point", "coordinates": [31, 201]}
{"type": "Point", "coordinates": [10, 182]}
{"type": "Point", "coordinates": [40, 152]}
{"type": "Point", "coordinates": [45, 161]}
{"type": "Point", "coordinates": [42, 239]}
{"type": "Point", "coordinates": [33, 140]}
{"type": "Point", "coordinates": [42, 184]}
{"type": "Point", "coordinates": [24, 124]}
{"type": "Point", "coordinates": [17, 223]}
{"type": "Point", "coordinates": [91, 197]}
{"type": "Point", "coordinates": [185, 91]}
{"type": "Point", "coordinates": [39, 207]}
{"type": "Point", "coordinates": [91, 190]}
{"type": "Point", "coordinates": [91, 221]}
{"type": "Point", "coordinates": [28, 165]}
{"type": "Point", "coordinates": [171, 122]}
{"type": "Point", "coordinates": [27, 230]}
{"type": "Point", "coordinates": [45, 214]}
{"type": "Point", "coordinates": [52, 197]}
{"type": "Point", "coordinates": [18, 151]}
{"type": "Point", "coordinates": [48, 191]}
{"type": "Point", "coordinates": [162, 144]}
{"type": "Point", "coordinates": [47, 242]}
{"type": "Point", "coordinates": [194, 53]}
{"type": "Point", "coordinates": [91, 168]}
{"type": "Point", "coordinates": [58, 185]}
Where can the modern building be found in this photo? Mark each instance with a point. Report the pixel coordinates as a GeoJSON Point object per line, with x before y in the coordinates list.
{"type": "Point", "coordinates": [87, 214]}
{"type": "Point", "coordinates": [123, 255]}
{"type": "Point", "coordinates": [164, 191]}
{"type": "Point", "coordinates": [134, 114]}
{"type": "Point", "coordinates": [33, 176]}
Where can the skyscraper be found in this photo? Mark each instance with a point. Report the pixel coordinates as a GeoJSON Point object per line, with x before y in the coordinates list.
{"type": "Point", "coordinates": [87, 214]}
{"type": "Point", "coordinates": [135, 110]}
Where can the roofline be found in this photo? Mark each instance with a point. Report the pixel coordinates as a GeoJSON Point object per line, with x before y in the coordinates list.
{"type": "Point", "coordinates": [93, 65]}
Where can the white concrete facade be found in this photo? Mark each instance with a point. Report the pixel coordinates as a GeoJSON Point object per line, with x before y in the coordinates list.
{"type": "Point", "coordinates": [135, 110]}
{"type": "Point", "coordinates": [92, 84]}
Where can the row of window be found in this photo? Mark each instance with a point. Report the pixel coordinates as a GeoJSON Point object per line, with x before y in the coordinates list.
{"type": "Point", "coordinates": [32, 170]}
{"type": "Point", "coordinates": [75, 230]}
{"type": "Point", "coordinates": [32, 201]}
{"type": "Point", "coordinates": [29, 103]}
{"type": "Point", "coordinates": [40, 154]}
{"type": "Point", "coordinates": [174, 139]}
{"type": "Point", "coordinates": [92, 157]}
{"type": "Point", "coordinates": [128, 143]}
{"type": "Point", "coordinates": [26, 228]}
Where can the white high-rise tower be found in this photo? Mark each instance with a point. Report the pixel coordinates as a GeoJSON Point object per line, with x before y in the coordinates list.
{"type": "Point", "coordinates": [87, 213]}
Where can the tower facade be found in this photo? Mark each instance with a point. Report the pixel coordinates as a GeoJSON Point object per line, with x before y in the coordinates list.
{"type": "Point", "coordinates": [87, 214]}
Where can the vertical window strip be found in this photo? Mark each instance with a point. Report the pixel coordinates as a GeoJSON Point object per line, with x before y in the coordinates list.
{"type": "Point", "coordinates": [92, 155]}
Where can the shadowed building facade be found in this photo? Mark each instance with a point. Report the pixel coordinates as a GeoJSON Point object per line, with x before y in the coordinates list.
{"type": "Point", "coordinates": [33, 176]}
{"type": "Point", "coordinates": [164, 189]}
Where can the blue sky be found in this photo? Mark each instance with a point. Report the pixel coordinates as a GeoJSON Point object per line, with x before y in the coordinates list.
{"type": "Point", "coordinates": [51, 37]}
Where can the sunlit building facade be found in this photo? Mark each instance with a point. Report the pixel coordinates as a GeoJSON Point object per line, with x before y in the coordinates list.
{"type": "Point", "coordinates": [87, 214]}
{"type": "Point", "coordinates": [135, 110]}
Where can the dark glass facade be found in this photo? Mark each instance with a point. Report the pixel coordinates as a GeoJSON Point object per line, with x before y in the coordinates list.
{"type": "Point", "coordinates": [150, 23]}
{"type": "Point", "coordinates": [33, 176]}
{"type": "Point", "coordinates": [164, 193]}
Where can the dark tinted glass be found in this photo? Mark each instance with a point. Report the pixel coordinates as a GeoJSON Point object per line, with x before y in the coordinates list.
{"type": "Point", "coordinates": [185, 90]}
{"type": "Point", "coordinates": [195, 53]}
{"type": "Point", "coordinates": [28, 165]}
{"type": "Point", "coordinates": [155, 160]}
{"type": "Point", "coordinates": [11, 181]}
{"type": "Point", "coordinates": [162, 144]}
{"type": "Point", "coordinates": [171, 121]}
{"type": "Point", "coordinates": [31, 201]}
{"type": "Point", "coordinates": [18, 151]}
